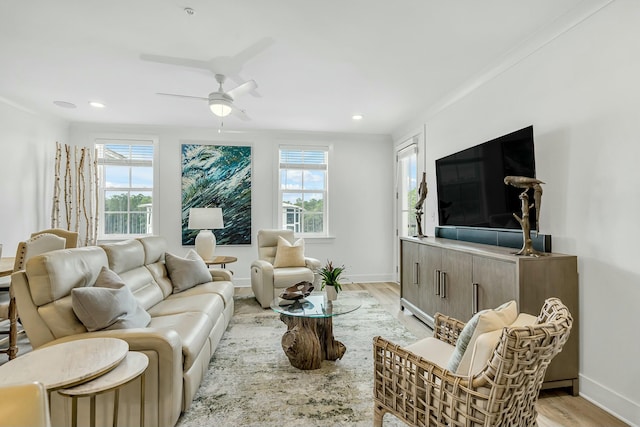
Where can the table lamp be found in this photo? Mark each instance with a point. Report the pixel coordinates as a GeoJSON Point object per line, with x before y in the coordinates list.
{"type": "Point", "coordinates": [205, 220]}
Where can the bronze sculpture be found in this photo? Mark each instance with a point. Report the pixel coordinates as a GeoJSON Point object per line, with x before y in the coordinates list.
{"type": "Point", "coordinates": [422, 195]}
{"type": "Point", "coordinates": [526, 183]}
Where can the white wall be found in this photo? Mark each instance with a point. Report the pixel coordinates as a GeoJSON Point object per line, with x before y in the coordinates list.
{"type": "Point", "coordinates": [27, 152]}
{"type": "Point", "coordinates": [361, 180]}
{"type": "Point", "coordinates": [582, 95]}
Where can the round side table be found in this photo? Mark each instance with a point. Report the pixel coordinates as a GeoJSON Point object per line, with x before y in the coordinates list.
{"type": "Point", "coordinates": [131, 368]}
{"type": "Point", "coordinates": [65, 364]}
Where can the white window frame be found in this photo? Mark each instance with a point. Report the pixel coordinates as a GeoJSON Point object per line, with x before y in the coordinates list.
{"type": "Point", "coordinates": [130, 140]}
{"type": "Point", "coordinates": [295, 166]}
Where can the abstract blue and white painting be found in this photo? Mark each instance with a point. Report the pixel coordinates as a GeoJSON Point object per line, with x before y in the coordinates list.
{"type": "Point", "coordinates": [218, 176]}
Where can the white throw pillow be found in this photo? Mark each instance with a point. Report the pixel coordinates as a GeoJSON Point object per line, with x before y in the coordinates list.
{"type": "Point", "coordinates": [288, 255]}
{"type": "Point", "coordinates": [483, 321]}
{"type": "Point", "coordinates": [108, 304]}
{"type": "Point", "coordinates": [186, 272]}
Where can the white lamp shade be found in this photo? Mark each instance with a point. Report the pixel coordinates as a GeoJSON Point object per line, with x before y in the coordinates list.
{"type": "Point", "coordinates": [205, 219]}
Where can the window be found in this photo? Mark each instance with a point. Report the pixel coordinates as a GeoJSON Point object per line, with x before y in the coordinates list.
{"type": "Point", "coordinates": [303, 190]}
{"type": "Point", "coordinates": [125, 174]}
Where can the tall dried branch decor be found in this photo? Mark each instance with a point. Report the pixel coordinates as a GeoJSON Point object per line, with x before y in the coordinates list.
{"type": "Point", "coordinates": [80, 208]}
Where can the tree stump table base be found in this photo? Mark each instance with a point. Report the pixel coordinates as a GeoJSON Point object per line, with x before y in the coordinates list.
{"type": "Point", "coordinates": [309, 340]}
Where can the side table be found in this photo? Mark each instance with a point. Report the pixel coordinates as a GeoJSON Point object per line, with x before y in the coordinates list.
{"type": "Point", "coordinates": [221, 260]}
{"type": "Point", "coordinates": [131, 368]}
{"type": "Point", "coordinates": [65, 364]}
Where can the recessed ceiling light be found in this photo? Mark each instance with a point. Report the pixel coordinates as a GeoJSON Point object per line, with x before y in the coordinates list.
{"type": "Point", "coordinates": [64, 104]}
{"type": "Point", "coordinates": [357, 117]}
{"type": "Point", "coordinates": [96, 104]}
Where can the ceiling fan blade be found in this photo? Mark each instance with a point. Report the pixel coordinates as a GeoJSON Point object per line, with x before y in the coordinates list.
{"type": "Point", "coordinates": [182, 96]}
{"type": "Point", "coordinates": [240, 114]}
{"type": "Point", "coordinates": [253, 50]}
{"type": "Point", "coordinates": [185, 62]}
{"type": "Point", "coordinates": [242, 89]}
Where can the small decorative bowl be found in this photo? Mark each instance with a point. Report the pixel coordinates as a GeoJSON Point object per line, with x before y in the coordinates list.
{"type": "Point", "coordinates": [297, 291]}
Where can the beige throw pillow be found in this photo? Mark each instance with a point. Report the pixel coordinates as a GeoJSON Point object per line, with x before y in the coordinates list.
{"type": "Point", "coordinates": [108, 304]}
{"type": "Point", "coordinates": [483, 321]}
{"type": "Point", "coordinates": [487, 342]}
{"type": "Point", "coordinates": [288, 255]}
{"type": "Point", "coordinates": [186, 272]}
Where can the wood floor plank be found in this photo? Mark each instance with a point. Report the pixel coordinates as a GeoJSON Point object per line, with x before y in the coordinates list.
{"type": "Point", "coordinates": [556, 408]}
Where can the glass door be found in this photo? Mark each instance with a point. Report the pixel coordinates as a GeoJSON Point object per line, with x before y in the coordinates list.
{"type": "Point", "coordinates": [407, 191]}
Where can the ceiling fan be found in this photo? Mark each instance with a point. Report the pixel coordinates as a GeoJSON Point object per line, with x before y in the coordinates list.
{"type": "Point", "coordinates": [221, 102]}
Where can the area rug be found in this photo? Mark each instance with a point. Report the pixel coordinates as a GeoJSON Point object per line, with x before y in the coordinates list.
{"type": "Point", "coordinates": [251, 383]}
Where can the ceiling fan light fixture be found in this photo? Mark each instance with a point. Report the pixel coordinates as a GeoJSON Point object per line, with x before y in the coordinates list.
{"type": "Point", "coordinates": [220, 108]}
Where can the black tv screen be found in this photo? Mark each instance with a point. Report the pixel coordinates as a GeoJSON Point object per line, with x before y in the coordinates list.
{"type": "Point", "coordinates": [470, 183]}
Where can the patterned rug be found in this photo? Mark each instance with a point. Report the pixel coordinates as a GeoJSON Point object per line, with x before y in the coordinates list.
{"type": "Point", "coordinates": [251, 383]}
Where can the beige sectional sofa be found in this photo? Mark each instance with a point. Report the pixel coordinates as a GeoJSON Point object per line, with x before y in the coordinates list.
{"type": "Point", "coordinates": [183, 333]}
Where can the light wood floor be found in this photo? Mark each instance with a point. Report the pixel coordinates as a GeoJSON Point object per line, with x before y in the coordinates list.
{"type": "Point", "coordinates": [555, 407]}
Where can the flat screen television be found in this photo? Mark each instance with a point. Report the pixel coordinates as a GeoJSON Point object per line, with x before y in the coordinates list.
{"type": "Point", "coordinates": [470, 183]}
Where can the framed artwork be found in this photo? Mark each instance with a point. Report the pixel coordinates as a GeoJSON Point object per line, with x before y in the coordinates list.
{"type": "Point", "coordinates": [218, 176]}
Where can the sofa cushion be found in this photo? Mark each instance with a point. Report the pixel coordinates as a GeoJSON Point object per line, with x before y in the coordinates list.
{"type": "Point", "coordinates": [109, 304]}
{"type": "Point", "coordinates": [186, 272]}
{"type": "Point", "coordinates": [193, 329]}
{"type": "Point", "coordinates": [483, 321]}
{"type": "Point", "coordinates": [285, 277]}
{"type": "Point", "coordinates": [125, 255]}
{"type": "Point", "coordinates": [289, 255]}
{"type": "Point", "coordinates": [52, 275]}
{"type": "Point", "coordinates": [154, 248]}
{"type": "Point", "coordinates": [223, 288]}
{"type": "Point", "coordinates": [209, 304]}
{"type": "Point", "coordinates": [433, 350]}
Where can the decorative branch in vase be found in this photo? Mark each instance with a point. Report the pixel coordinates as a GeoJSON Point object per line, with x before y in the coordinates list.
{"type": "Point", "coordinates": [419, 206]}
{"type": "Point", "coordinates": [330, 278]}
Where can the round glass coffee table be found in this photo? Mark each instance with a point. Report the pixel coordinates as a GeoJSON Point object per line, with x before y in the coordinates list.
{"type": "Point", "coordinates": [309, 338]}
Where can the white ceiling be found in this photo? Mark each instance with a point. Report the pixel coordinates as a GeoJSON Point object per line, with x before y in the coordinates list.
{"type": "Point", "coordinates": [323, 62]}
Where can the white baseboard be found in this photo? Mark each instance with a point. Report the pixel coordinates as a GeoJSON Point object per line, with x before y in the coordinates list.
{"type": "Point", "coordinates": [610, 401]}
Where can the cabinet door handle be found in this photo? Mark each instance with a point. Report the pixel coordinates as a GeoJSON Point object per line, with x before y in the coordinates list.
{"type": "Point", "coordinates": [474, 299]}
{"type": "Point", "coordinates": [416, 273]}
{"type": "Point", "coordinates": [443, 284]}
{"type": "Point", "coordinates": [436, 282]}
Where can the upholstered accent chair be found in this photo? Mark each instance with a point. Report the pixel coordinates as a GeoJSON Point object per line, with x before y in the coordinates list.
{"type": "Point", "coordinates": [70, 236]}
{"type": "Point", "coordinates": [503, 390]}
{"type": "Point", "coordinates": [281, 263]}
{"type": "Point", "coordinates": [34, 246]}
{"type": "Point", "coordinates": [24, 405]}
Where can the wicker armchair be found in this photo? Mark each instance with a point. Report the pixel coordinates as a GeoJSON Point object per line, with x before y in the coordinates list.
{"type": "Point", "coordinates": [503, 393]}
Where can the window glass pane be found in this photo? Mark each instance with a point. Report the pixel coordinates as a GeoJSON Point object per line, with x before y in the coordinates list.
{"type": "Point", "coordinates": [116, 201]}
{"type": "Point", "coordinates": [292, 198]}
{"type": "Point", "coordinates": [142, 177]}
{"type": "Point", "coordinates": [141, 201]}
{"type": "Point", "coordinates": [116, 223]}
{"type": "Point", "coordinates": [313, 222]}
{"type": "Point", "coordinates": [116, 176]}
{"type": "Point", "coordinates": [314, 179]}
{"type": "Point", "coordinates": [290, 179]}
{"type": "Point", "coordinates": [313, 202]}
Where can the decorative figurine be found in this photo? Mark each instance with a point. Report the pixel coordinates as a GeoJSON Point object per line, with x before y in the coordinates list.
{"type": "Point", "coordinates": [526, 183]}
{"type": "Point", "coordinates": [422, 195]}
